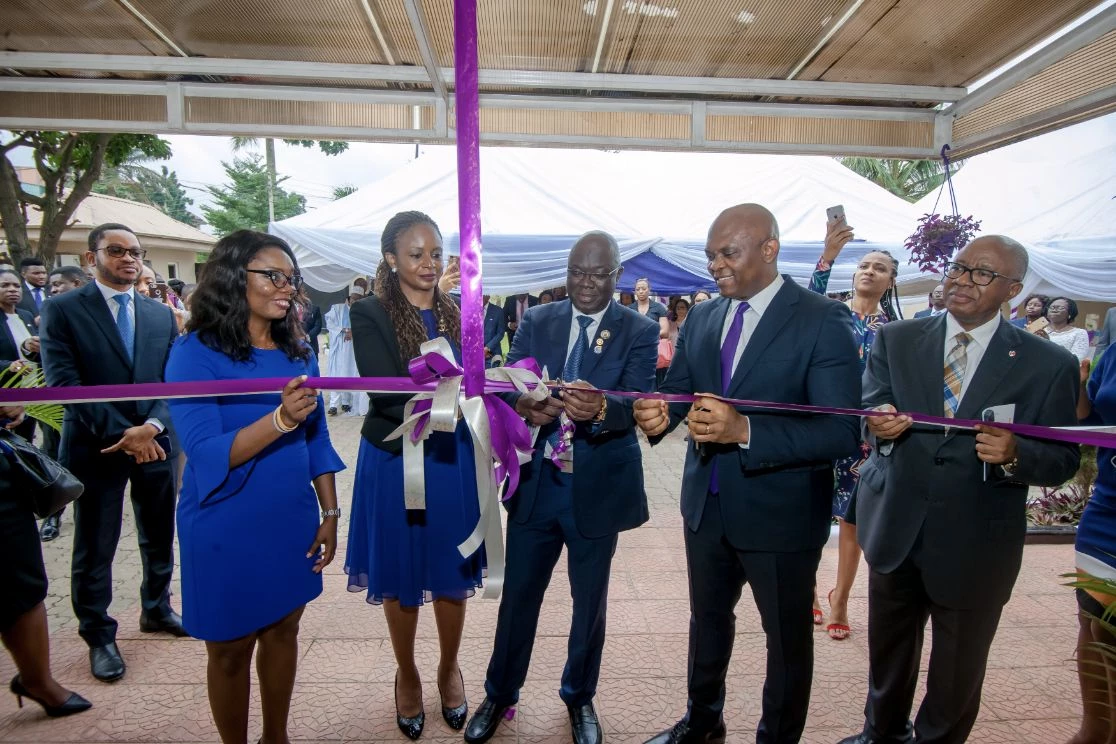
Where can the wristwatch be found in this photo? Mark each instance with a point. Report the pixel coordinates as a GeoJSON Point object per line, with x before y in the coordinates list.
{"type": "Point", "coordinates": [1009, 467]}
{"type": "Point", "coordinates": [335, 512]}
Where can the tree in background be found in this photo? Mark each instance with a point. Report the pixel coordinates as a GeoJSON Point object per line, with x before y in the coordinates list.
{"type": "Point", "coordinates": [69, 163]}
{"type": "Point", "coordinates": [329, 147]}
{"type": "Point", "coordinates": [340, 192]}
{"type": "Point", "coordinates": [161, 189]}
{"type": "Point", "coordinates": [907, 179]}
{"type": "Point", "coordinates": [243, 203]}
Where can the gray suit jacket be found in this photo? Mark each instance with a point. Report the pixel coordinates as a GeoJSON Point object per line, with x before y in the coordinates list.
{"type": "Point", "coordinates": [925, 496]}
{"type": "Point", "coordinates": [1104, 337]}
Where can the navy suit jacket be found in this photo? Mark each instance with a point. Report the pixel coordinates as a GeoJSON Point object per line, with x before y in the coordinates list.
{"type": "Point", "coordinates": [924, 313]}
{"type": "Point", "coordinates": [776, 494]}
{"type": "Point", "coordinates": [27, 301]}
{"type": "Point", "coordinates": [81, 346]}
{"type": "Point", "coordinates": [927, 488]}
{"type": "Point", "coordinates": [608, 493]}
{"type": "Point", "coordinates": [494, 328]}
{"type": "Point", "coordinates": [9, 352]}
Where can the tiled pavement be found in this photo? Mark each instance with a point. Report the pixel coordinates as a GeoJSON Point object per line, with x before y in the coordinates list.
{"type": "Point", "coordinates": [344, 687]}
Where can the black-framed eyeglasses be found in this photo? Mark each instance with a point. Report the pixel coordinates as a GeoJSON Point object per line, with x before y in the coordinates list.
{"type": "Point", "coordinates": [981, 277]}
{"type": "Point", "coordinates": [118, 251]}
{"type": "Point", "coordinates": [279, 279]}
{"type": "Point", "coordinates": [578, 275]}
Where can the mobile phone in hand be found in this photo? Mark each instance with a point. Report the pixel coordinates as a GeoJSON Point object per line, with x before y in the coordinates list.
{"type": "Point", "coordinates": [159, 291]}
{"type": "Point", "coordinates": [835, 214]}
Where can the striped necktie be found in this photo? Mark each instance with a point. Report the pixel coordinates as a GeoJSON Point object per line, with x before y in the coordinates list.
{"type": "Point", "coordinates": [955, 373]}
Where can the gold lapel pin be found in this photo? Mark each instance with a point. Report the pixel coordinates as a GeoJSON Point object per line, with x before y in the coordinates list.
{"type": "Point", "coordinates": [605, 334]}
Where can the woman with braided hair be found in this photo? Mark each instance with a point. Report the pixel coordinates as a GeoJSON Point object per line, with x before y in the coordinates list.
{"type": "Point", "coordinates": [405, 558]}
{"type": "Point", "coordinates": [874, 302]}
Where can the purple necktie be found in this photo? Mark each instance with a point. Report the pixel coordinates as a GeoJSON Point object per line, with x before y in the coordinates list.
{"type": "Point", "coordinates": [728, 353]}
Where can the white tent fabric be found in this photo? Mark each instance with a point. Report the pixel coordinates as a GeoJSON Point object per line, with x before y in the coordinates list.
{"type": "Point", "coordinates": [1057, 195]}
{"type": "Point", "coordinates": [535, 202]}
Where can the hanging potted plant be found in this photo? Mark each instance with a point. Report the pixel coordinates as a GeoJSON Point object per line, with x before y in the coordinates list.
{"type": "Point", "coordinates": [939, 236]}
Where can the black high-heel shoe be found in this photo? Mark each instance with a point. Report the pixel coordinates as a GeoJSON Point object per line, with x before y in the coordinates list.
{"type": "Point", "coordinates": [411, 727]}
{"type": "Point", "coordinates": [74, 704]}
{"type": "Point", "coordinates": [455, 717]}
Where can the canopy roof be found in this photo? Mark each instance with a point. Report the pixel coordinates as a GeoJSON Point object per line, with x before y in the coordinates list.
{"type": "Point", "coordinates": [872, 77]}
{"type": "Point", "coordinates": [536, 202]}
{"type": "Point", "coordinates": [1057, 195]}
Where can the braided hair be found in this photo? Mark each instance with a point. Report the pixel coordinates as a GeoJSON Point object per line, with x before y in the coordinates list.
{"type": "Point", "coordinates": [889, 302]}
{"type": "Point", "coordinates": [410, 332]}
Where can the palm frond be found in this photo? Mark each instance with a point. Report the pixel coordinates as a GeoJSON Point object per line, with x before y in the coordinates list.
{"type": "Point", "coordinates": [33, 377]}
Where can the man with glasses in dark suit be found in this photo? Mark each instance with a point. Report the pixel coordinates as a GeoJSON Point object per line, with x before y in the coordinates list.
{"type": "Point", "coordinates": [105, 333]}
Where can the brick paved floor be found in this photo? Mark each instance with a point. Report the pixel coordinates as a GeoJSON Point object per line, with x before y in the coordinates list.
{"type": "Point", "coordinates": [344, 687]}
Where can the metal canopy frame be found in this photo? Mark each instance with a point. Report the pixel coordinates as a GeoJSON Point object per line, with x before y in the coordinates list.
{"type": "Point", "coordinates": [185, 94]}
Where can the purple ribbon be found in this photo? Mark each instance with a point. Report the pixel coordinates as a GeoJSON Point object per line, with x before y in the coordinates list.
{"type": "Point", "coordinates": [272, 385]}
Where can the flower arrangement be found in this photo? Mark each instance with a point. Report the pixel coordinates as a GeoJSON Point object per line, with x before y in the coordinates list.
{"type": "Point", "coordinates": [936, 239]}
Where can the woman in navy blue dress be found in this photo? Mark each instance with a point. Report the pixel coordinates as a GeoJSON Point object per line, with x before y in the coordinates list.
{"type": "Point", "coordinates": [258, 468]}
{"type": "Point", "coordinates": [405, 558]}
{"type": "Point", "coordinates": [1096, 558]}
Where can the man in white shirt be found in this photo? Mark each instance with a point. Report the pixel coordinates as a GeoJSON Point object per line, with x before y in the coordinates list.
{"type": "Point", "coordinates": [105, 333]}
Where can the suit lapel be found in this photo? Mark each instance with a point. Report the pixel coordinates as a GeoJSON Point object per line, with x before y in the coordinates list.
{"type": "Point", "coordinates": [929, 366]}
{"type": "Point", "coordinates": [101, 316]}
{"type": "Point", "coordinates": [997, 361]}
{"type": "Point", "coordinates": [710, 343]}
{"type": "Point", "coordinates": [560, 339]}
{"type": "Point", "coordinates": [771, 324]}
{"type": "Point", "coordinates": [606, 332]}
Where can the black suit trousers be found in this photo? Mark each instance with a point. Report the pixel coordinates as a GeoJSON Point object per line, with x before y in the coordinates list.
{"type": "Point", "coordinates": [534, 548]}
{"type": "Point", "coordinates": [783, 588]}
{"type": "Point", "coordinates": [97, 524]}
{"type": "Point", "coordinates": [898, 608]}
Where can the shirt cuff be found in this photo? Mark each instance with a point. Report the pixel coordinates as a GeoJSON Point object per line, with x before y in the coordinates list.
{"type": "Point", "coordinates": [157, 424]}
{"type": "Point", "coordinates": [746, 445]}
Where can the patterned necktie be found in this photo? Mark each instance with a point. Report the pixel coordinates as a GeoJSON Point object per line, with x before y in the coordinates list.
{"type": "Point", "coordinates": [728, 355]}
{"type": "Point", "coordinates": [573, 363]}
{"type": "Point", "coordinates": [124, 324]}
{"type": "Point", "coordinates": [38, 295]}
{"type": "Point", "coordinates": [955, 373]}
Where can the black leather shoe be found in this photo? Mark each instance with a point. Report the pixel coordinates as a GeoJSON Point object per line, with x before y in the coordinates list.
{"type": "Point", "coordinates": [49, 530]}
{"type": "Point", "coordinates": [484, 722]}
{"type": "Point", "coordinates": [73, 704]}
{"type": "Point", "coordinates": [683, 734]}
{"type": "Point", "coordinates": [106, 663]}
{"type": "Point", "coordinates": [866, 738]}
{"type": "Point", "coordinates": [170, 623]}
{"type": "Point", "coordinates": [584, 724]}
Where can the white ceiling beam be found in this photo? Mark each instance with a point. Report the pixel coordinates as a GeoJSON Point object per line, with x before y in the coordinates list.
{"type": "Point", "coordinates": [522, 78]}
{"type": "Point", "coordinates": [840, 24]}
{"type": "Point", "coordinates": [1057, 50]}
{"type": "Point", "coordinates": [599, 50]}
{"type": "Point", "coordinates": [377, 31]}
{"type": "Point", "coordinates": [426, 50]}
{"type": "Point", "coordinates": [153, 28]}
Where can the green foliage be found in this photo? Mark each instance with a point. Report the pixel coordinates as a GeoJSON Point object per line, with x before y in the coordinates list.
{"type": "Point", "coordinates": [242, 204]}
{"type": "Point", "coordinates": [160, 189]}
{"type": "Point", "coordinates": [33, 377]}
{"type": "Point", "coordinates": [907, 179]}
{"type": "Point", "coordinates": [1065, 505]}
{"type": "Point", "coordinates": [340, 192]}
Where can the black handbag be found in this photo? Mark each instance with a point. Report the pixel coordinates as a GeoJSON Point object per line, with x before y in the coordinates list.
{"type": "Point", "coordinates": [50, 485]}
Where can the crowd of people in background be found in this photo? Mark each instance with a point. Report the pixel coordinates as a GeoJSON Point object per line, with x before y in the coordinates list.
{"type": "Point", "coordinates": [759, 489]}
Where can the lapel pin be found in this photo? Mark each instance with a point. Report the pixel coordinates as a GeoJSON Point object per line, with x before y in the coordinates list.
{"type": "Point", "coordinates": [600, 341]}
{"type": "Point", "coordinates": [1012, 353]}
{"type": "Point", "coordinates": [605, 334]}
{"type": "Point", "coordinates": [598, 349]}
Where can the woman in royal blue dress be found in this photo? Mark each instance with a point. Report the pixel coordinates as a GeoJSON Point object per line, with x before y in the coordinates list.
{"type": "Point", "coordinates": [1096, 559]}
{"type": "Point", "coordinates": [405, 558]}
{"type": "Point", "coordinates": [872, 304]}
{"type": "Point", "coordinates": [258, 469]}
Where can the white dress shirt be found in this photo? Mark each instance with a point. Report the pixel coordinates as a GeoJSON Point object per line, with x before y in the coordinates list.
{"type": "Point", "coordinates": [590, 330]}
{"type": "Point", "coordinates": [757, 306]}
{"type": "Point", "coordinates": [114, 308]}
{"type": "Point", "coordinates": [974, 352]}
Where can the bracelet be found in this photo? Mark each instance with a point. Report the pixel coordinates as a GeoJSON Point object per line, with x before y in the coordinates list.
{"type": "Point", "coordinates": [604, 408]}
{"type": "Point", "coordinates": [277, 421]}
{"type": "Point", "coordinates": [334, 512]}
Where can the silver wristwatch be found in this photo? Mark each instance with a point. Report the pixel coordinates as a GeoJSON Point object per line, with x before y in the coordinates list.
{"type": "Point", "coordinates": [331, 513]}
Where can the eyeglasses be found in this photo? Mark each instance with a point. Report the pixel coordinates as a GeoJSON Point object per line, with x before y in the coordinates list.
{"type": "Point", "coordinates": [578, 275]}
{"type": "Point", "coordinates": [118, 251]}
{"type": "Point", "coordinates": [279, 279]}
{"type": "Point", "coordinates": [980, 277]}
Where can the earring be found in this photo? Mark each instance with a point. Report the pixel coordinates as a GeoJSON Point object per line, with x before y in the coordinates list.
{"type": "Point", "coordinates": [393, 269]}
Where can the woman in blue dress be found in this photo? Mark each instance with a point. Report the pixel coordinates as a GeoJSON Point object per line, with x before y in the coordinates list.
{"type": "Point", "coordinates": [258, 468]}
{"type": "Point", "coordinates": [1096, 558]}
{"type": "Point", "coordinates": [405, 558]}
{"type": "Point", "coordinates": [872, 304]}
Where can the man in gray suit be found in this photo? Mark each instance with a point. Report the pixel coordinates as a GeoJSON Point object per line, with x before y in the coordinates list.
{"type": "Point", "coordinates": [1107, 331]}
{"type": "Point", "coordinates": [941, 514]}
